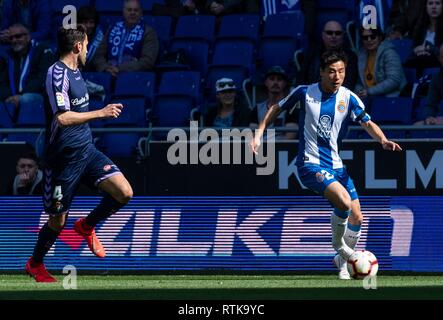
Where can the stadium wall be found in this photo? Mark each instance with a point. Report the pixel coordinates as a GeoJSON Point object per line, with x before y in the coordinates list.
{"type": "Point", "coordinates": [229, 233]}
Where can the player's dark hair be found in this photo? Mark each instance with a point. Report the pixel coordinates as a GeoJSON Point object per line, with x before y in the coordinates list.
{"type": "Point", "coordinates": [332, 56]}
{"type": "Point", "coordinates": [86, 13]}
{"type": "Point", "coordinates": [67, 38]}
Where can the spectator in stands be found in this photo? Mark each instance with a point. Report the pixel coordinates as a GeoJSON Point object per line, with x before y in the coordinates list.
{"type": "Point", "coordinates": [435, 97]}
{"type": "Point", "coordinates": [379, 66]}
{"type": "Point", "coordinates": [332, 39]}
{"type": "Point", "coordinates": [404, 17]}
{"type": "Point", "coordinates": [35, 15]}
{"type": "Point", "coordinates": [277, 87]}
{"type": "Point", "coordinates": [129, 45]}
{"type": "Point", "coordinates": [229, 111]}
{"type": "Point", "coordinates": [28, 180]}
{"type": "Point", "coordinates": [89, 17]}
{"type": "Point", "coordinates": [427, 36]}
{"type": "Point", "coordinates": [22, 80]}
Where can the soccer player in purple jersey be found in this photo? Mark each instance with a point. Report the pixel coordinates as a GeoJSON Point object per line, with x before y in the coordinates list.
{"type": "Point", "coordinates": [70, 155]}
{"type": "Point", "coordinates": [325, 109]}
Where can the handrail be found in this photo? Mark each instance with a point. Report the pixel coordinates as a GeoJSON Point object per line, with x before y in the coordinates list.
{"type": "Point", "coordinates": [162, 129]}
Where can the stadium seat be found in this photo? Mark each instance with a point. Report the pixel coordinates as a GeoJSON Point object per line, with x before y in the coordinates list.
{"type": "Point", "coordinates": [273, 52]}
{"type": "Point", "coordinates": [132, 115]}
{"type": "Point", "coordinates": [237, 53]}
{"type": "Point", "coordinates": [109, 6]}
{"type": "Point", "coordinates": [403, 48]}
{"type": "Point", "coordinates": [5, 119]}
{"type": "Point", "coordinates": [197, 53]}
{"type": "Point", "coordinates": [172, 110]}
{"type": "Point", "coordinates": [396, 110]}
{"type": "Point", "coordinates": [162, 25]}
{"type": "Point", "coordinates": [135, 84]}
{"type": "Point", "coordinates": [181, 82]}
{"type": "Point", "coordinates": [290, 25]}
{"type": "Point", "coordinates": [102, 78]}
{"type": "Point", "coordinates": [239, 26]}
{"type": "Point", "coordinates": [58, 5]}
{"type": "Point", "coordinates": [119, 144]}
{"type": "Point", "coordinates": [200, 27]}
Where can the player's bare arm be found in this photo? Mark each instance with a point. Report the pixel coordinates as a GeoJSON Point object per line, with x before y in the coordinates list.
{"type": "Point", "coordinates": [70, 118]}
{"type": "Point", "coordinates": [269, 118]}
{"type": "Point", "coordinates": [375, 132]}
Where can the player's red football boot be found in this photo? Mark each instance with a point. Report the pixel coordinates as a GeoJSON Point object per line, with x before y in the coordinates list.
{"type": "Point", "coordinates": [89, 235]}
{"type": "Point", "coordinates": [38, 271]}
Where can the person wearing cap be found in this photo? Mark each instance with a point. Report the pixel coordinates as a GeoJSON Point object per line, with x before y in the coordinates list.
{"type": "Point", "coordinates": [229, 111]}
{"type": "Point", "coordinates": [277, 87]}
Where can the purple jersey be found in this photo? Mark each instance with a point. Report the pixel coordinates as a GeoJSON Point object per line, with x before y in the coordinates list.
{"type": "Point", "coordinates": [67, 91]}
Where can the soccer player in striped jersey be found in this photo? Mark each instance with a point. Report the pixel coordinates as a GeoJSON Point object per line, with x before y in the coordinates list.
{"type": "Point", "coordinates": [70, 155]}
{"type": "Point", "coordinates": [325, 109]}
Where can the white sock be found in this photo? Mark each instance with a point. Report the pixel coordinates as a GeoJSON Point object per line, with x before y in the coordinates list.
{"type": "Point", "coordinates": [338, 227]}
{"type": "Point", "coordinates": [352, 235]}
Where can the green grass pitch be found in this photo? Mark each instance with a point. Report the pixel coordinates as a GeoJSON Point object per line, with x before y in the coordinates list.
{"type": "Point", "coordinates": [220, 287]}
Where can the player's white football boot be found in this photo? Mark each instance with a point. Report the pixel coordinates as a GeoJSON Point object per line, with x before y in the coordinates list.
{"type": "Point", "coordinates": [340, 263]}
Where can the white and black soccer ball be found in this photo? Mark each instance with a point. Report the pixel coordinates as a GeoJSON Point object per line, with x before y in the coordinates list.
{"type": "Point", "coordinates": [362, 263]}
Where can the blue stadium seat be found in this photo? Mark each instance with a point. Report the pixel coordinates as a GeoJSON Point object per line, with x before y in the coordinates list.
{"type": "Point", "coordinates": [403, 48]}
{"type": "Point", "coordinates": [31, 115]}
{"type": "Point", "coordinates": [172, 110]}
{"type": "Point", "coordinates": [240, 26]}
{"type": "Point", "coordinates": [273, 52]}
{"type": "Point", "coordinates": [133, 113]}
{"type": "Point", "coordinates": [58, 5]}
{"type": "Point", "coordinates": [290, 25]}
{"type": "Point", "coordinates": [102, 78]}
{"type": "Point", "coordinates": [135, 84]}
{"type": "Point", "coordinates": [181, 82]}
{"type": "Point", "coordinates": [5, 119]}
{"type": "Point", "coordinates": [119, 144]}
{"type": "Point", "coordinates": [200, 27]}
{"type": "Point", "coordinates": [162, 25]}
{"type": "Point", "coordinates": [197, 53]}
{"type": "Point", "coordinates": [396, 110]}
{"type": "Point", "coordinates": [237, 53]}
{"type": "Point", "coordinates": [109, 6]}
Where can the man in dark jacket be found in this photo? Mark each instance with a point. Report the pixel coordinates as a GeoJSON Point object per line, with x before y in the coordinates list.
{"type": "Point", "coordinates": [22, 80]}
{"type": "Point", "coordinates": [332, 39]}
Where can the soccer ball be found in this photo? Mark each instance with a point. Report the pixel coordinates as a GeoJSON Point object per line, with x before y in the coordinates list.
{"type": "Point", "coordinates": [362, 263]}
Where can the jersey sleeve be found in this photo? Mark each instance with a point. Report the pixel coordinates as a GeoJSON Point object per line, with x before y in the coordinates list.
{"type": "Point", "coordinates": [292, 101]}
{"type": "Point", "coordinates": [57, 87]}
{"type": "Point", "coordinates": [357, 109]}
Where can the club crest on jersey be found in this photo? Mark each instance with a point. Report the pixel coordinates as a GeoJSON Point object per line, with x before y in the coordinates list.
{"type": "Point", "coordinates": [320, 177]}
{"type": "Point", "coordinates": [324, 126]}
{"type": "Point", "coordinates": [60, 99]}
{"type": "Point", "coordinates": [58, 206]}
{"type": "Point", "coordinates": [341, 107]}
{"type": "Point", "coordinates": [107, 167]}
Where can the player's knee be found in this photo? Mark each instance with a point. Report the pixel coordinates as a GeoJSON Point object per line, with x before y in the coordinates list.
{"type": "Point", "coordinates": [344, 204]}
{"type": "Point", "coordinates": [125, 194]}
{"type": "Point", "coordinates": [57, 223]}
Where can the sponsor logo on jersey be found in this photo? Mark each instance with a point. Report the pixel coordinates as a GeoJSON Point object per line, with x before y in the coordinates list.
{"type": "Point", "coordinates": [324, 126]}
{"type": "Point", "coordinates": [60, 99]}
{"type": "Point", "coordinates": [77, 101]}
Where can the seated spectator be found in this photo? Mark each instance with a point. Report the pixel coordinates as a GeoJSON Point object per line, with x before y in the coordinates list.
{"type": "Point", "coordinates": [379, 66]}
{"type": "Point", "coordinates": [277, 87]}
{"type": "Point", "coordinates": [435, 96]}
{"type": "Point", "coordinates": [89, 17]}
{"type": "Point", "coordinates": [35, 15]}
{"type": "Point", "coordinates": [129, 45]}
{"type": "Point", "coordinates": [427, 36]}
{"type": "Point", "coordinates": [23, 79]}
{"type": "Point", "coordinates": [229, 111]}
{"type": "Point", "coordinates": [28, 180]}
{"type": "Point", "coordinates": [404, 17]}
{"type": "Point", "coordinates": [332, 39]}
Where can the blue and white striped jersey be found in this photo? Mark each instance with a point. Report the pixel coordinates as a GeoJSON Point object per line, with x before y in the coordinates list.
{"type": "Point", "coordinates": [323, 122]}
